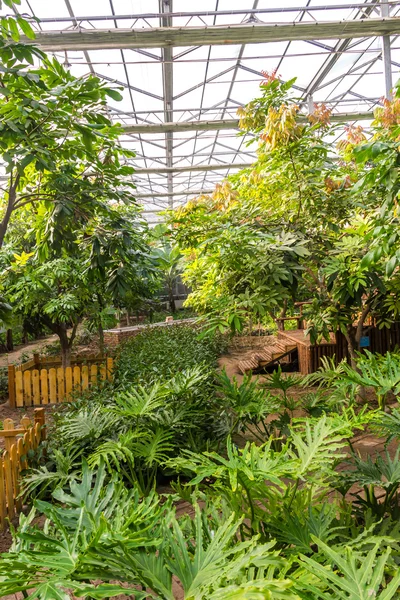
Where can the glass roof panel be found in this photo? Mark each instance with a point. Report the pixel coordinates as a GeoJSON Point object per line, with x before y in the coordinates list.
{"type": "Point", "coordinates": [210, 82]}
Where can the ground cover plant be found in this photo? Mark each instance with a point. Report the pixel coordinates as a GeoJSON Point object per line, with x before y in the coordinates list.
{"type": "Point", "coordinates": [162, 399]}
{"type": "Point", "coordinates": [273, 523]}
{"type": "Point", "coordinates": [163, 352]}
{"type": "Point", "coordinates": [278, 517]}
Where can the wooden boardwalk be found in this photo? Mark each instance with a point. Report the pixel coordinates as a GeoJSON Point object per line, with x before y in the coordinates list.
{"type": "Point", "coordinates": [309, 355]}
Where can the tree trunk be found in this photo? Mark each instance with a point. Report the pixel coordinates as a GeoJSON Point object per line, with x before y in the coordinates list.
{"type": "Point", "coordinates": [65, 355]}
{"type": "Point", "coordinates": [9, 340]}
{"type": "Point", "coordinates": [354, 335]}
{"type": "Point", "coordinates": [352, 345]}
{"type": "Point", "coordinates": [284, 309]}
{"type": "Point", "coordinates": [66, 343]}
{"type": "Point", "coordinates": [12, 196]}
{"type": "Point", "coordinates": [101, 338]}
{"type": "Point", "coordinates": [172, 304]}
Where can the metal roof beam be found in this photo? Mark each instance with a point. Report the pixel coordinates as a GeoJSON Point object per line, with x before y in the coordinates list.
{"type": "Point", "coordinates": [227, 124]}
{"type": "Point", "coordinates": [244, 11]}
{"type": "Point", "coordinates": [249, 33]}
{"type": "Point", "coordinates": [217, 167]}
{"type": "Point", "coordinates": [339, 48]}
{"type": "Point", "coordinates": [165, 6]}
{"type": "Point", "coordinates": [184, 193]}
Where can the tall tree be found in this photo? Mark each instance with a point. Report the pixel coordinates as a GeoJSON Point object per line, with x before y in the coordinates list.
{"type": "Point", "coordinates": [249, 246]}
{"type": "Point", "coordinates": [57, 142]}
{"type": "Point", "coordinates": [360, 275]}
{"type": "Point", "coordinates": [106, 260]}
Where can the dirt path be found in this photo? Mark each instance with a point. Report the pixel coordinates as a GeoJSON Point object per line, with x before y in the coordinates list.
{"type": "Point", "coordinates": [15, 356]}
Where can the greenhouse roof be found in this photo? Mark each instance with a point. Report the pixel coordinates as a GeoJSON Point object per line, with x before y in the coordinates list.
{"type": "Point", "coordinates": [185, 67]}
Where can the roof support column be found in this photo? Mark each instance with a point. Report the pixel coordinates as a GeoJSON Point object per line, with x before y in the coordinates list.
{"type": "Point", "coordinates": [165, 6]}
{"type": "Point", "coordinates": [386, 55]}
{"type": "Point", "coordinates": [310, 104]}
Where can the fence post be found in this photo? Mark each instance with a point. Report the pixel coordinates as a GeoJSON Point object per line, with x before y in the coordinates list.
{"type": "Point", "coordinates": [40, 418]}
{"type": "Point", "coordinates": [9, 440]}
{"type": "Point", "coordinates": [11, 385]}
{"type": "Point", "coordinates": [110, 364]}
{"type": "Point", "coordinates": [36, 359]}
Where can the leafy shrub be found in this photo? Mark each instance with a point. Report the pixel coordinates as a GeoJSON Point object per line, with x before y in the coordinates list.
{"type": "Point", "coordinates": [100, 540]}
{"type": "Point", "coordinates": [382, 373]}
{"type": "Point", "coordinates": [3, 384]}
{"type": "Point", "coordinates": [160, 353]}
{"type": "Point", "coordinates": [52, 349]}
{"type": "Point", "coordinates": [134, 429]}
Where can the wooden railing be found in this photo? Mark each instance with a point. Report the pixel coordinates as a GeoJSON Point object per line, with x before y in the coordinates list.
{"type": "Point", "coordinates": [299, 318]}
{"type": "Point", "coordinates": [39, 383]}
{"type": "Point", "coordinates": [18, 441]}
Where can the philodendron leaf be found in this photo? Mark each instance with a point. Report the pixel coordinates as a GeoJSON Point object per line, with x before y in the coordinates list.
{"type": "Point", "coordinates": [107, 590]}
{"type": "Point", "coordinates": [256, 590]}
{"type": "Point", "coordinates": [51, 591]}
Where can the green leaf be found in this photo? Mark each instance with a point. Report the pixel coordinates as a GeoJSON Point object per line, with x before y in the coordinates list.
{"type": "Point", "coordinates": [26, 28]}
{"type": "Point", "coordinates": [391, 265]}
{"type": "Point", "coordinates": [25, 162]}
{"type": "Point", "coordinates": [113, 94]}
{"type": "Point", "coordinates": [12, 24]}
{"type": "Point", "coordinates": [50, 591]}
{"type": "Point", "coordinates": [13, 126]}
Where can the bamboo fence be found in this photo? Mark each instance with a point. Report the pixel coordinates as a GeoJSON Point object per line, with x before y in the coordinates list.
{"type": "Point", "coordinates": [40, 381]}
{"type": "Point", "coordinates": [19, 441]}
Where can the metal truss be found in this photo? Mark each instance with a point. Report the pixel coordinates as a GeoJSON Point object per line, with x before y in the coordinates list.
{"type": "Point", "coordinates": [185, 132]}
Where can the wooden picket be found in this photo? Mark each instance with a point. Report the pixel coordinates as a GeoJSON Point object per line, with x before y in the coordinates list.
{"type": "Point", "coordinates": [18, 440]}
{"type": "Point", "coordinates": [53, 384]}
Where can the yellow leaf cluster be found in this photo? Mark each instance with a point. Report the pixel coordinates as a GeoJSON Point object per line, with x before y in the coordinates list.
{"type": "Point", "coordinates": [281, 126]}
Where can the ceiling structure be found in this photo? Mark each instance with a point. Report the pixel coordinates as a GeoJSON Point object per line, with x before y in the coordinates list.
{"type": "Point", "coordinates": [184, 68]}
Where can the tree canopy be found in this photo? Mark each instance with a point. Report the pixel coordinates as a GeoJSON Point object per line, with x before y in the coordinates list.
{"type": "Point", "coordinates": [305, 221]}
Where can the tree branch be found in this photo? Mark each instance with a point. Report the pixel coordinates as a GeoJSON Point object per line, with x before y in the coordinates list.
{"type": "Point", "coordinates": [361, 321]}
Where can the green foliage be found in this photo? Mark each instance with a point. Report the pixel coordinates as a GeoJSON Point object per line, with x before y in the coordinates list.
{"type": "Point", "coordinates": [10, 27]}
{"type": "Point", "coordinates": [355, 577]}
{"type": "Point", "coordinates": [3, 384]}
{"type": "Point", "coordinates": [160, 353]}
{"type": "Point", "coordinates": [280, 517]}
{"type": "Point", "coordinates": [249, 407]}
{"type": "Point", "coordinates": [380, 480]}
{"type": "Point", "coordinates": [102, 532]}
{"type": "Point", "coordinates": [382, 373]}
{"type": "Point", "coordinates": [168, 261]}
{"type": "Point", "coordinates": [69, 225]}
{"type": "Point", "coordinates": [388, 424]}
{"type": "Point", "coordinates": [258, 479]}
{"type": "Point", "coordinates": [255, 244]}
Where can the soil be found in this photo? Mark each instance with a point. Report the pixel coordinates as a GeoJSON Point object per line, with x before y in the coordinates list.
{"type": "Point", "coordinates": [18, 354]}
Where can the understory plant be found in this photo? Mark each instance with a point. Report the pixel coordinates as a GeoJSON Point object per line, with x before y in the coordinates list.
{"type": "Point", "coordinates": [382, 373]}
{"type": "Point", "coordinates": [266, 529]}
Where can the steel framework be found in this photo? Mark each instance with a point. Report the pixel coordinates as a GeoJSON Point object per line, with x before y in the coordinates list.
{"type": "Point", "coordinates": [184, 74]}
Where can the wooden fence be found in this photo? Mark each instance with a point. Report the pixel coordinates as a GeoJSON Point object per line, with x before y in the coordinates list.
{"type": "Point", "coordinates": [37, 382]}
{"type": "Point", "coordinates": [18, 440]}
